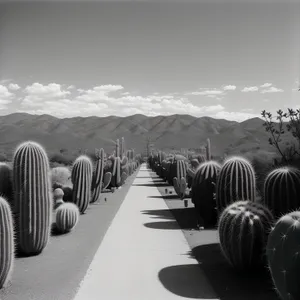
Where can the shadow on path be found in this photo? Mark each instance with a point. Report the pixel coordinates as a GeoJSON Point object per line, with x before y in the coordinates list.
{"type": "Point", "coordinates": [227, 282]}
{"type": "Point", "coordinates": [185, 217]}
{"type": "Point", "coordinates": [164, 225]}
{"type": "Point", "coordinates": [187, 281]}
{"type": "Point", "coordinates": [149, 184]}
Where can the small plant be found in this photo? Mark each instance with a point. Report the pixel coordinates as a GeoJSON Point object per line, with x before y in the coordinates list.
{"type": "Point", "coordinates": [67, 217]}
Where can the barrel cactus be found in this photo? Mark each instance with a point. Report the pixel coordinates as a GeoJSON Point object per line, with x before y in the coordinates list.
{"type": "Point", "coordinates": [82, 180]}
{"type": "Point", "coordinates": [67, 216]}
{"type": "Point", "coordinates": [7, 242]}
{"type": "Point", "coordinates": [203, 190]}
{"type": "Point", "coordinates": [33, 198]}
{"type": "Point", "coordinates": [282, 190]}
{"type": "Point", "coordinates": [243, 231]}
{"type": "Point", "coordinates": [283, 255]}
{"type": "Point", "coordinates": [236, 181]}
{"type": "Point", "coordinates": [97, 175]}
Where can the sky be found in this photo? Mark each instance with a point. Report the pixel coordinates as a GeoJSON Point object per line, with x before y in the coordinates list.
{"type": "Point", "coordinates": [223, 59]}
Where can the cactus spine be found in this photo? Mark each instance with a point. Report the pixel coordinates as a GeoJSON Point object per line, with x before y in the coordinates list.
{"type": "Point", "coordinates": [82, 181]}
{"type": "Point", "coordinates": [283, 255]}
{"type": "Point", "coordinates": [67, 216]}
{"type": "Point", "coordinates": [33, 197]}
{"type": "Point", "coordinates": [243, 231]}
{"type": "Point", "coordinates": [203, 189]}
{"type": "Point", "coordinates": [282, 190]}
{"type": "Point", "coordinates": [235, 182]}
{"type": "Point", "coordinates": [97, 176]}
{"type": "Point", "coordinates": [7, 242]}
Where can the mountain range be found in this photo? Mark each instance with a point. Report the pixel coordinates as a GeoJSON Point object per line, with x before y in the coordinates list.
{"type": "Point", "coordinates": [165, 132]}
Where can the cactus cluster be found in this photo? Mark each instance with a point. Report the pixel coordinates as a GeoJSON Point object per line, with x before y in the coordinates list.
{"type": "Point", "coordinates": [31, 192]}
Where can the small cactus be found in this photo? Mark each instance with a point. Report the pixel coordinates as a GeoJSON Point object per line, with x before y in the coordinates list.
{"type": "Point", "coordinates": [243, 231]}
{"type": "Point", "coordinates": [282, 190]}
{"type": "Point", "coordinates": [6, 242]}
{"type": "Point", "coordinates": [284, 257]}
{"type": "Point", "coordinates": [106, 180]}
{"type": "Point", "coordinates": [82, 181]}
{"type": "Point", "coordinates": [67, 216]}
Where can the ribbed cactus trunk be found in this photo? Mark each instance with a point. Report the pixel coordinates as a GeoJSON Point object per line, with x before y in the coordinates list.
{"type": "Point", "coordinates": [122, 150]}
{"type": "Point", "coordinates": [98, 176]}
{"type": "Point", "coordinates": [116, 172]}
{"type": "Point", "coordinates": [117, 154]}
{"type": "Point", "coordinates": [282, 190]}
{"type": "Point", "coordinates": [208, 150]}
{"type": "Point", "coordinates": [82, 181]}
{"type": "Point", "coordinates": [6, 242]}
{"type": "Point", "coordinates": [32, 198]}
{"type": "Point", "coordinates": [235, 182]}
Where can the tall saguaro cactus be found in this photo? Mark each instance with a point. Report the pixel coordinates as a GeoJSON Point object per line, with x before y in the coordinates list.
{"type": "Point", "coordinates": [122, 151]}
{"type": "Point", "coordinates": [98, 175]}
{"type": "Point", "coordinates": [32, 198]}
{"type": "Point", "coordinates": [82, 180]}
{"type": "Point", "coordinates": [208, 150]}
{"type": "Point", "coordinates": [117, 148]}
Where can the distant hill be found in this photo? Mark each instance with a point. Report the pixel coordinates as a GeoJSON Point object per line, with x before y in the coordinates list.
{"type": "Point", "coordinates": [166, 132]}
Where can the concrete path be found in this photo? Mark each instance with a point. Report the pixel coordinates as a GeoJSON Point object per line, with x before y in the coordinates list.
{"type": "Point", "coordinates": [140, 263]}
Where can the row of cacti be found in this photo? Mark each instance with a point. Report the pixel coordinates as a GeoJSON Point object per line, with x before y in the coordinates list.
{"type": "Point", "coordinates": [253, 232]}
{"type": "Point", "coordinates": [31, 191]}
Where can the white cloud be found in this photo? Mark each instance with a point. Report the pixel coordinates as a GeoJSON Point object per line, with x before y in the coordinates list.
{"type": "Point", "coordinates": [46, 91]}
{"type": "Point", "coordinates": [272, 89]}
{"type": "Point", "coordinates": [250, 89]}
{"type": "Point", "coordinates": [13, 86]}
{"type": "Point", "coordinates": [229, 88]}
{"type": "Point", "coordinates": [206, 93]}
{"type": "Point", "coordinates": [71, 87]}
{"type": "Point", "coordinates": [265, 85]}
{"type": "Point", "coordinates": [235, 116]}
{"type": "Point", "coordinates": [6, 96]}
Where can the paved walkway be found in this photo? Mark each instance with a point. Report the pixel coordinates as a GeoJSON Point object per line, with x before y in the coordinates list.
{"type": "Point", "coordinates": [134, 262]}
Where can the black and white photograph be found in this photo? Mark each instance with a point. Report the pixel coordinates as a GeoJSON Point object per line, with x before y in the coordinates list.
{"type": "Point", "coordinates": [149, 149]}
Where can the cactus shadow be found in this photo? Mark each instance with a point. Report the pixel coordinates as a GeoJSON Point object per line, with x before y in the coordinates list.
{"type": "Point", "coordinates": [149, 184]}
{"type": "Point", "coordinates": [54, 230]}
{"type": "Point", "coordinates": [166, 197]}
{"type": "Point", "coordinates": [227, 282]}
{"type": "Point", "coordinates": [179, 218]}
{"type": "Point", "coordinates": [187, 281]}
{"type": "Point", "coordinates": [163, 225]}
